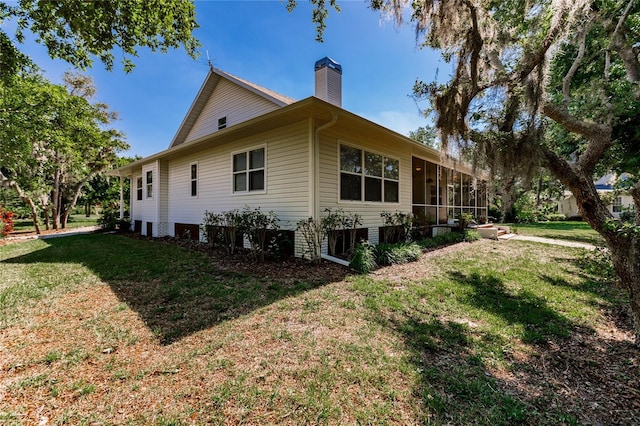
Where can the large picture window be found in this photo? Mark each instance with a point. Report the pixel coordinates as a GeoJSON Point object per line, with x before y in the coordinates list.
{"type": "Point", "coordinates": [367, 176]}
{"type": "Point", "coordinates": [248, 171]}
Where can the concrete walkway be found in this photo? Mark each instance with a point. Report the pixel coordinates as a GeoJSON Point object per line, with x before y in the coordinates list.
{"type": "Point", "coordinates": [553, 241]}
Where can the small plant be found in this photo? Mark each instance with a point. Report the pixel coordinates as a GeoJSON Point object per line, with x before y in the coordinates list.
{"type": "Point", "coordinates": [337, 221]}
{"type": "Point", "coordinates": [395, 254]}
{"type": "Point", "coordinates": [396, 226]}
{"type": "Point", "coordinates": [599, 263]}
{"type": "Point", "coordinates": [255, 225]}
{"type": "Point", "coordinates": [6, 222]}
{"type": "Point", "coordinates": [471, 235]}
{"type": "Point", "coordinates": [363, 258]}
{"type": "Point", "coordinates": [110, 220]}
{"type": "Point", "coordinates": [312, 233]}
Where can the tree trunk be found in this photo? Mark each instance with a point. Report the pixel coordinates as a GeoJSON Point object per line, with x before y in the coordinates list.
{"type": "Point", "coordinates": [624, 248]}
{"type": "Point", "coordinates": [625, 252]}
{"type": "Point", "coordinates": [7, 183]}
{"type": "Point", "coordinates": [55, 199]}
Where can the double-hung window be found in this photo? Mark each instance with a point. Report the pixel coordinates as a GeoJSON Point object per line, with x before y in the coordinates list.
{"type": "Point", "coordinates": [249, 170]}
{"type": "Point", "coordinates": [150, 184]}
{"type": "Point", "coordinates": [367, 176]}
{"type": "Point", "coordinates": [617, 205]}
{"type": "Point", "coordinates": [194, 179]}
{"type": "Point", "coordinates": [139, 188]}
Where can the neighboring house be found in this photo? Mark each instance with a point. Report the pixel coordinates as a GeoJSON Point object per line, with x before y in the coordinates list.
{"type": "Point", "coordinates": [243, 145]}
{"type": "Point", "coordinates": [619, 201]}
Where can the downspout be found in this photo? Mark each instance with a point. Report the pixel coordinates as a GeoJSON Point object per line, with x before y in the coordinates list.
{"type": "Point", "coordinates": [316, 164]}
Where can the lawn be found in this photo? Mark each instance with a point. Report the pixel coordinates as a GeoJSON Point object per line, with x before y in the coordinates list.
{"type": "Point", "coordinates": [104, 329]}
{"type": "Point", "coordinates": [571, 231]}
{"type": "Point", "coordinates": [75, 221]}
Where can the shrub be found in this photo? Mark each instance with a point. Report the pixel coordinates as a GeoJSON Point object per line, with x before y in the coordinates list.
{"type": "Point", "coordinates": [6, 222]}
{"type": "Point", "coordinates": [110, 220]}
{"type": "Point", "coordinates": [363, 258]}
{"type": "Point", "coordinates": [396, 226]}
{"type": "Point", "coordinates": [556, 217]}
{"type": "Point", "coordinates": [442, 240]}
{"type": "Point", "coordinates": [338, 220]}
{"type": "Point", "coordinates": [471, 235]}
{"type": "Point", "coordinates": [628, 215]}
{"type": "Point", "coordinates": [312, 232]}
{"type": "Point", "coordinates": [527, 216]}
{"type": "Point", "coordinates": [395, 254]}
{"type": "Point", "coordinates": [254, 225]}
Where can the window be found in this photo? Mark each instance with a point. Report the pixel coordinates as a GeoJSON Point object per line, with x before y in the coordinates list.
{"type": "Point", "coordinates": [150, 184]}
{"type": "Point", "coordinates": [248, 171]}
{"type": "Point", "coordinates": [194, 179]}
{"type": "Point", "coordinates": [367, 176]}
{"type": "Point", "coordinates": [222, 122]}
{"type": "Point", "coordinates": [139, 188]}
{"type": "Point", "coordinates": [617, 205]}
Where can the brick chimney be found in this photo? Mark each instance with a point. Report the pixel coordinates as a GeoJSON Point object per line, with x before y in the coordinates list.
{"type": "Point", "coordinates": [329, 81]}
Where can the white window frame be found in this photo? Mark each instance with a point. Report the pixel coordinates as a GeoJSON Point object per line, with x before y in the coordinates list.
{"type": "Point", "coordinates": [616, 204]}
{"type": "Point", "coordinates": [363, 175]}
{"type": "Point", "coordinates": [148, 184]}
{"type": "Point", "coordinates": [193, 180]}
{"type": "Point", "coordinates": [247, 171]}
{"type": "Point", "coordinates": [139, 189]}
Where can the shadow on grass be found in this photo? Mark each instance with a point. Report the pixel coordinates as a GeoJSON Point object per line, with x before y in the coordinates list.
{"type": "Point", "coordinates": [175, 291]}
{"type": "Point", "coordinates": [538, 321]}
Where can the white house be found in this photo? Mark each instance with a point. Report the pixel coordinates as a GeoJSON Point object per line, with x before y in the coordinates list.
{"type": "Point", "coordinates": [243, 145]}
{"type": "Point", "coordinates": [619, 201]}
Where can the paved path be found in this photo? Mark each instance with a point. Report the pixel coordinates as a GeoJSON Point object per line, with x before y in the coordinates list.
{"type": "Point", "coordinates": [554, 241]}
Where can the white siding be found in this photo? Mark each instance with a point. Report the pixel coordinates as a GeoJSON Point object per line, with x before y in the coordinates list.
{"type": "Point", "coordinates": [330, 178]}
{"type": "Point", "coordinates": [236, 103]}
{"type": "Point", "coordinates": [149, 206]}
{"type": "Point", "coordinates": [287, 180]}
{"type": "Point", "coordinates": [136, 205]}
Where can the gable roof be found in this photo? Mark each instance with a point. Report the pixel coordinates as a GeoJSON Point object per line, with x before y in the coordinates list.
{"type": "Point", "coordinates": [211, 82]}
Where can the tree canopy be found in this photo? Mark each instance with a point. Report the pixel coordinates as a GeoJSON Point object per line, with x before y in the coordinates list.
{"type": "Point", "coordinates": [78, 30]}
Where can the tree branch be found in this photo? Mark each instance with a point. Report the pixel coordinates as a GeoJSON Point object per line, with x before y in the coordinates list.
{"type": "Point", "coordinates": [566, 81]}
{"type": "Point", "coordinates": [624, 49]}
{"type": "Point", "coordinates": [598, 135]}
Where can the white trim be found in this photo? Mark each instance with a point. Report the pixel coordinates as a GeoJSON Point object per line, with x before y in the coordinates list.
{"type": "Point", "coordinates": [264, 168]}
{"type": "Point", "coordinates": [364, 176]}
{"type": "Point", "coordinates": [197, 179]}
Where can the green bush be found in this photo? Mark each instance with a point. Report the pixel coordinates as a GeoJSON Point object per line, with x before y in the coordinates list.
{"type": "Point", "coordinates": [471, 235]}
{"type": "Point", "coordinates": [442, 240]}
{"type": "Point", "coordinates": [110, 220]}
{"type": "Point", "coordinates": [394, 254]}
{"type": "Point", "coordinates": [556, 217]}
{"type": "Point", "coordinates": [363, 258]}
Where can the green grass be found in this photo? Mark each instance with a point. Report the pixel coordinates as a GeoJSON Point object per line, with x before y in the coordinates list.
{"type": "Point", "coordinates": [189, 343]}
{"type": "Point", "coordinates": [75, 221]}
{"type": "Point", "coordinates": [570, 231]}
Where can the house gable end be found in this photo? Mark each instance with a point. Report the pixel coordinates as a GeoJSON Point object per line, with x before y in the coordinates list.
{"type": "Point", "coordinates": [225, 100]}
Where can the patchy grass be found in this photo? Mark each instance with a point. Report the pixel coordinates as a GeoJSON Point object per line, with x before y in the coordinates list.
{"type": "Point", "coordinates": [142, 332]}
{"type": "Point", "coordinates": [570, 231]}
{"type": "Point", "coordinates": [75, 221]}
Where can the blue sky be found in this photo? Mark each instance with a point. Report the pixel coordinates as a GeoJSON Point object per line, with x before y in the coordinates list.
{"type": "Point", "coordinates": [263, 43]}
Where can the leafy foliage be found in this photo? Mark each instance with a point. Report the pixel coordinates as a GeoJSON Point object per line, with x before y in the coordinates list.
{"type": "Point", "coordinates": [363, 258]}
{"type": "Point", "coordinates": [76, 30]}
